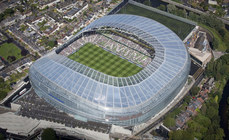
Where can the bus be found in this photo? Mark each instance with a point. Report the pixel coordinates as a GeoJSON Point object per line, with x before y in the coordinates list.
{"type": "Point", "coordinates": [22, 92]}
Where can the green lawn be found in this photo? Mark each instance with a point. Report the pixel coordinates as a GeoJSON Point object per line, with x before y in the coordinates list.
{"type": "Point", "coordinates": [104, 61]}
{"type": "Point", "coordinates": [10, 49]}
{"type": "Point", "coordinates": [182, 29]}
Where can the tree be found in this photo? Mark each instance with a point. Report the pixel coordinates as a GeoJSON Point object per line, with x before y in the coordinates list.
{"type": "Point", "coordinates": [192, 16]}
{"type": "Point", "coordinates": [1, 17]}
{"type": "Point", "coordinates": [6, 13]}
{"type": "Point", "coordinates": [219, 1]}
{"type": "Point", "coordinates": [48, 134]}
{"type": "Point", "coordinates": [9, 12]}
{"type": "Point", "coordinates": [210, 68]}
{"type": "Point", "coordinates": [162, 7]}
{"type": "Point", "coordinates": [171, 8]}
{"type": "Point", "coordinates": [84, 13]}
{"type": "Point", "coordinates": [214, 133]}
{"type": "Point", "coordinates": [210, 136]}
{"type": "Point", "coordinates": [215, 44]}
{"type": "Point", "coordinates": [194, 4]}
{"type": "Point", "coordinates": [4, 88]}
{"type": "Point", "coordinates": [195, 90]}
{"type": "Point", "coordinates": [187, 99]}
{"type": "Point", "coordinates": [211, 112]}
{"type": "Point", "coordinates": [176, 135]}
{"type": "Point", "coordinates": [52, 43]}
{"type": "Point", "coordinates": [181, 13]}
{"type": "Point", "coordinates": [196, 129]}
{"type": "Point", "coordinates": [147, 2]}
{"type": "Point", "coordinates": [1, 137]}
{"type": "Point", "coordinates": [20, 8]}
{"type": "Point", "coordinates": [218, 76]}
{"type": "Point", "coordinates": [36, 55]}
{"type": "Point", "coordinates": [24, 2]}
{"type": "Point", "coordinates": [47, 7]}
{"type": "Point", "coordinates": [34, 8]}
{"type": "Point", "coordinates": [11, 58]}
{"type": "Point", "coordinates": [187, 136]}
{"type": "Point", "coordinates": [24, 52]}
{"type": "Point", "coordinates": [219, 134]}
{"type": "Point", "coordinates": [203, 109]}
{"type": "Point", "coordinates": [180, 135]}
{"type": "Point", "coordinates": [224, 70]}
{"type": "Point", "coordinates": [222, 32]}
{"type": "Point", "coordinates": [203, 120]}
{"type": "Point", "coordinates": [205, 7]}
{"type": "Point", "coordinates": [227, 51]}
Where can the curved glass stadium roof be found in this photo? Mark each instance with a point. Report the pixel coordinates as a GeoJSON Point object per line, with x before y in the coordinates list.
{"type": "Point", "coordinates": [85, 92]}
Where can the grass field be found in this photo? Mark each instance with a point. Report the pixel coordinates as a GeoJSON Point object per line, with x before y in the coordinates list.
{"type": "Point", "coordinates": [103, 61]}
{"type": "Point", "coordinates": [182, 29]}
{"type": "Point", "coordinates": [10, 49]}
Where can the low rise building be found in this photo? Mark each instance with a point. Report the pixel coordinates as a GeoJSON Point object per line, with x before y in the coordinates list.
{"type": "Point", "coordinates": [49, 3]}
{"type": "Point", "coordinates": [75, 12]}
{"type": "Point", "coordinates": [212, 2]}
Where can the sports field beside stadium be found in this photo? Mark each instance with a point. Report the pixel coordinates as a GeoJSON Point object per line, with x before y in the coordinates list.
{"type": "Point", "coordinates": [182, 29]}
{"type": "Point", "coordinates": [10, 49]}
{"type": "Point", "coordinates": [97, 58]}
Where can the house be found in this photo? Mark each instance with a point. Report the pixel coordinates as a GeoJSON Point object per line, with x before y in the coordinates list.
{"type": "Point", "coordinates": [200, 100]}
{"type": "Point", "coordinates": [212, 2]}
{"type": "Point", "coordinates": [204, 94]}
{"type": "Point", "coordinates": [182, 119]}
{"type": "Point", "coordinates": [211, 9]}
{"type": "Point", "coordinates": [197, 104]}
{"type": "Point", "coordinates": [191, 109]}
{"type": "Point", "coordinates": [208, 85]}
{"type": "Point", "coordinates": [49, 3]}
{"type": "Point", "coordinates": [75, 12]}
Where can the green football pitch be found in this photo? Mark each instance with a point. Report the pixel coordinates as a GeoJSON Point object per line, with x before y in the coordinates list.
{"type": "Point", "coordinates": [97, 58]}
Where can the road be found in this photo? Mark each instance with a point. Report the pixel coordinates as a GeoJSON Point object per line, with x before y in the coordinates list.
{"type": "Point", "coordinates": [16, 95]}
{"type": "Point", "coordinates": [194, 10]}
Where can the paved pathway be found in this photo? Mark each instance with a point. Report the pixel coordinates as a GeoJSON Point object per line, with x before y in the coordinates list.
{"type": "Point", "coordinates": [217, 54]}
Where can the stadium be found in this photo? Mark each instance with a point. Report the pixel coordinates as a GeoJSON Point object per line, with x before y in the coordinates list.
{"type": "Point", "coordinates": [120, 69]}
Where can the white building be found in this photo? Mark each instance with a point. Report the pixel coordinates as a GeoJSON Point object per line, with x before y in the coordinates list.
{"type": "Point", "coordinates": [212, 2]}
{"type": "Point", "coordinates": [75, 12]}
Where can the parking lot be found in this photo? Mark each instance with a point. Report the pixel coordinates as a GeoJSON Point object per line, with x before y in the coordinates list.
{"type": "Point", "coordinates": [35, 107]}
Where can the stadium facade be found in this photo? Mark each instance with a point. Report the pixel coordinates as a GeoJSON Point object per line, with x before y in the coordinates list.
{"type": "Point", "coordinates": [91, 95]}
